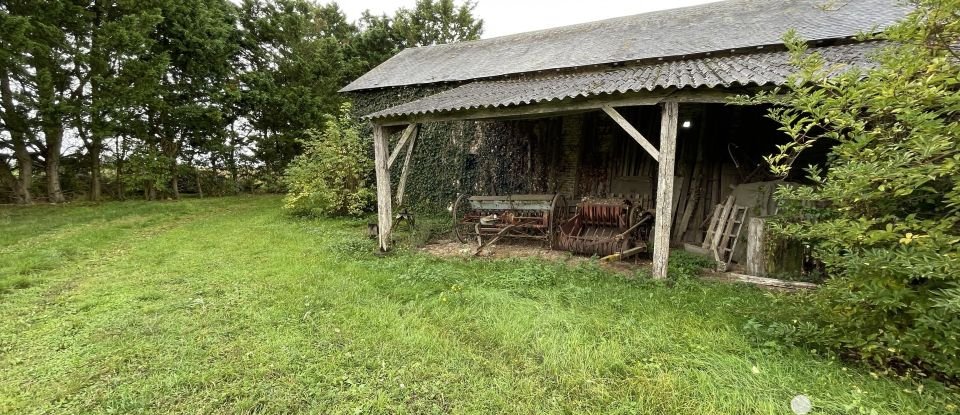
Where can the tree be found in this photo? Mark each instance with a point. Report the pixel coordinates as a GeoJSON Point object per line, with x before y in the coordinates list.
{"type": "Point", "coordinates": [115, 41]}
{"type": "Point", "coordinates": [54, 57]}
{"type": "Point", "coordinates": [292, 67]}
{"type": "Point", "coordinates": [149, 85]}
{"type": "Point", "coordinates": [375, 42]}
{"type": "Point", "coordinates": [884, 216]}
{"type": "Point", "coordinates": [14, 40]}
{"type": "Point", "coordinates": [199, 41]}
{"type": "Point", "coordinates": [434, 22]}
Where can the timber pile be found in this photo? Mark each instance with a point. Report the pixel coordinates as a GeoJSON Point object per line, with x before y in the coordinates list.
{"type": "Point", "coordinates": [763, 282]}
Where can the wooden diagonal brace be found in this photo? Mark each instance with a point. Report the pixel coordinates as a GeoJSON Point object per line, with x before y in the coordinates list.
{"type": "Point", "coordinates": [403, 141]}
{"type": "Point", "coordinates": [632, 131]}
{"type": "Point", "coordinates": [402, 186]}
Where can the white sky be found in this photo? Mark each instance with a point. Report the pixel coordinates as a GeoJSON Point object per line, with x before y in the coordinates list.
{"type": "Point", "coordinates": [504, 17]}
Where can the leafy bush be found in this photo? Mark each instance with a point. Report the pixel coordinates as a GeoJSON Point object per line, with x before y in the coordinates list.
{"type": "Point", "coordinates": [884, 216]}
{"type": "Point", "coordinates": [330, 177]}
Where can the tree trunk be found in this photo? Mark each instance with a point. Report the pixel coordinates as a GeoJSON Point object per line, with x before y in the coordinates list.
{"type": "Point", "coordinates": [121, 192]}
{"type": "Point", "coordinates": [232, 160]}
{"type": "Point", "coordinates": [25, 167]}
{"type": "Point", "coordinates": [17, 126]}
{"type": "Point", "coordinates": [8, 180]}
{"type": "Point", "coordinates": [149, 191]}
{"type": "Point", "coordinates": [98, 70]}
{"type": "Point", "coordinates": [234, 174]}
{"type": "Point", "coordinates": [51, 121]}
{"type": "Point", "coordinates": [54, 139]}
{"type": "Point", "coordinates": [199, 186]}
{"type": "Point", "coordinates": [174, 178]}
{"type": "Point", "coordinates": [120, 151]}
{"type": "Point", "coordinates": [95, 166]}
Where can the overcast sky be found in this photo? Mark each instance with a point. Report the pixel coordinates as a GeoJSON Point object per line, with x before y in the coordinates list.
{"type": "Point", "coordinates": [504, 17]}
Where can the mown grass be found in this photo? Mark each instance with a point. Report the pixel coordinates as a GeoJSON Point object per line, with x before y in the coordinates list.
{"type": "Point", "coordinates": [226, 306]}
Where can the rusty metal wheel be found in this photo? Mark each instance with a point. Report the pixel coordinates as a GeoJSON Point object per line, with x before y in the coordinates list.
{"type": "Point", "coordinates": [558, 215]}
{"type": "Point", "coordinates": [459, 210]}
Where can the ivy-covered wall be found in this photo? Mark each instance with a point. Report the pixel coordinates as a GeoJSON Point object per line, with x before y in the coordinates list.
{"type": "Point", "coordinates": [472, 157]}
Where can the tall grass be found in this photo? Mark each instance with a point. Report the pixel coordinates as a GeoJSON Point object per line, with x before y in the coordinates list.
{"type": "Point", "coordinates": [225, 306]}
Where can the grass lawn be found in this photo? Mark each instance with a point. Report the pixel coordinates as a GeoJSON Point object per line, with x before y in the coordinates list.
{"type": "Point", "coordinates": [226, 306]}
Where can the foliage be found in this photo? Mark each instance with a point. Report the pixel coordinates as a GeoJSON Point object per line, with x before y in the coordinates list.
{"type": "Point", "coordinates": [330, 177]}
{"type": "Point", "coordinates": [214, 85]}
{"type": "Point", "coordinates": [292, 66]}
{"type": "Point", "coordinates": [434, 22]}
{"type": "Point", "coordinates": [141, 307]}
{"type": "Point", "coordinates": [884, 216]}
{"type": "Point", "coordinates": [685, 266]}
{"type": "Point", "coordinates": [147, 167]}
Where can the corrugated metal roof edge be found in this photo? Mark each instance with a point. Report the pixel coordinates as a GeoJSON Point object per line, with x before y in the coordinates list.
{"type": "Point", "coordinates": [571, 69]}
{"type": "Point", "coordinates": [377, 115]}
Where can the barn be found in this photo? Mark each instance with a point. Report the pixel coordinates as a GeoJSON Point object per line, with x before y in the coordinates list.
{"type": "Point", "coordinates": [635, 108]}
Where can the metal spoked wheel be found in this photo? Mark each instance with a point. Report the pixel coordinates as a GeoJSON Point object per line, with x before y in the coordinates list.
{"type": "Point", "coordinates": [558, 215]}
{"type": "Point", "coordinates": [459, 210]}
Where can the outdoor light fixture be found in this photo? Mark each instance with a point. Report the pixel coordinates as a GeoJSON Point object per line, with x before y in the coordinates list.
{"type": "Point", "coordinates": [687, 124]}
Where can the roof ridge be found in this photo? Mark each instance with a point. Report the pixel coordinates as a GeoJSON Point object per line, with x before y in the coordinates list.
{"type": "Point", "coordinates": [673, 33]}
{"type": "Point", "coordinates": [574, 25]}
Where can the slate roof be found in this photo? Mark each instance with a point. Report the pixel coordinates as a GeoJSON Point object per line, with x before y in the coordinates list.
{"type": "Point", "coordinates": [747, 69]}
{"type": "Point", "coordinates": [676, 33]}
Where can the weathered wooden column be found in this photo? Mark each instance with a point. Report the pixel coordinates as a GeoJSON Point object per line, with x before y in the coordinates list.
{"type": "Point", "coordinates": [756, 247]}
{"type": "Point", "coordinates": [384, 202]}
{"type": "Point", "coordinates": [661, 230]}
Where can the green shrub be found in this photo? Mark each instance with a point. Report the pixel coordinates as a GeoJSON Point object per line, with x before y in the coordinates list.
{"type": "Point", "coordinates": [884, 216]}
{"type": "Point", "coordinates": [330, 177]}
{"type": "Point", "coordinates": [685, 266]}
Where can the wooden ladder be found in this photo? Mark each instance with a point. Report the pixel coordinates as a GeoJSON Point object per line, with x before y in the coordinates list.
{"type": "Point", "coordinates": [728, 244]}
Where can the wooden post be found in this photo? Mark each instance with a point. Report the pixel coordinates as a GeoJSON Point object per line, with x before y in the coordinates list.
{"type": "Point", "coordinates": [402, 184]}
{"type": "Point", "coordinates": [664, 218]}
{"type": "Point", "coordinates": [384, 204]}
{"type": "Point", "coordinates": [756, 247]}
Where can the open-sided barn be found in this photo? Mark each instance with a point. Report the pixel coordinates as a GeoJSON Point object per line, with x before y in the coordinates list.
{"type": "Point", "coordinates": [634, 108]}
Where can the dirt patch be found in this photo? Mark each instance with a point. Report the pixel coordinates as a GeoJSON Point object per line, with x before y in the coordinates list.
{"type": "Point", "coordinates": [455, 249]}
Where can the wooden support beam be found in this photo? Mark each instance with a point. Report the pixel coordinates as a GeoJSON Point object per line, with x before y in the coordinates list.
{"type": "Point", "coordinates": [632, 131]}
{"type": "Point", "coordinates": [402, 185]}
{"type": "Point", "coordinates": [403, 140]}
{"type": "Point", "coordinates": [664, 218]}
{"type": "Point", "coordinates": [552, 108]}
{"type": "Point", "coordinates": [567, 106]}
{"type": "Point", "coordinates": [384, 202]}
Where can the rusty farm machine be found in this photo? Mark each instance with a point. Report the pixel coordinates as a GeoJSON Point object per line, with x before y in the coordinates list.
{"type": "Point", "coordinates": [531, 217]}
{"type": "Point", "coordinates": [612, 228]}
